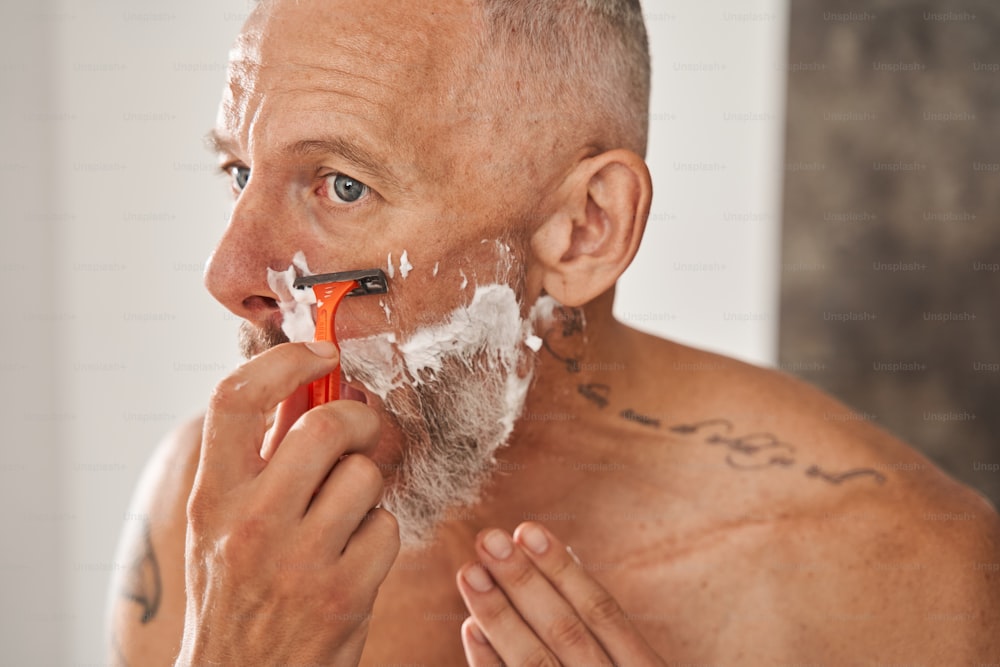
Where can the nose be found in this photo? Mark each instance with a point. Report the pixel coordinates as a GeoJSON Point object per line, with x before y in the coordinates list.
{"type": "Point", "coordinates": [236, 272]}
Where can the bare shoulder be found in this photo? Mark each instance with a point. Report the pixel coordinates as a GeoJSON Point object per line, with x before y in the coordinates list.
{"type": "Point", "coordinates": [909, 578]}
{"type": "Point", "coordinates": [871, 550]}
{"type": "Point", "coordinates": [146, 603]}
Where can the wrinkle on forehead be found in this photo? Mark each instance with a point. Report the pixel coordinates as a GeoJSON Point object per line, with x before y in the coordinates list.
{"type": "Point", "coordinates": [395, 44]}
{"type": "Point", "coordinates": [395, 66]}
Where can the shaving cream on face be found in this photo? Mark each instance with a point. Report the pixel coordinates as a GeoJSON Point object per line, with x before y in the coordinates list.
{"type": "Point", "coordinates": [455, 389]}
{"type": "Point", "coordinates": [490, 325]}
{"type": "Point", "coordinates": [404, 265]}
{"type": "Point", "coordinates": [296, 305]}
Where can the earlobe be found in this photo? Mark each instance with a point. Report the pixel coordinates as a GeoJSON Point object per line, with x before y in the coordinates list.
{"type": "Point", "coordinates": [592, 236]}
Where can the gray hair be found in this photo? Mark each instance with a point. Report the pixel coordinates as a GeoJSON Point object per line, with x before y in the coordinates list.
{"type": "Point", "coordinates": [590, 57]}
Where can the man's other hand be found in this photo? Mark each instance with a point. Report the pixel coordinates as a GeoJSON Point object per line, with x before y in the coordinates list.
{"type": "Point", "coordinates": [532, 603]}
{"type": "Point", "coordinates": [284, 554]}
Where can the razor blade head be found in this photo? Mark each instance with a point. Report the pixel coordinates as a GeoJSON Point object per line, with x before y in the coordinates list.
{"type": "Point", "coordinates": [370, 281]}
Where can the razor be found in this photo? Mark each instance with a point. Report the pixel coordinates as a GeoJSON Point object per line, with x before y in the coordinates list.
{"type": "Point", "coordinates": [330, 289]}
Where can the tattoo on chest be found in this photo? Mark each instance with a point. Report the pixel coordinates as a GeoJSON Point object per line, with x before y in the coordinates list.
{"type": "Point", "coordinates": [747, 451]}
{"type": "Point", "coordinates": [142, 583]}
{"type": "Point", "coordinates": [596, 393]}
{"type": "Point", "coordinates": [757, 451]}
{"type": "Point", "coordinates": [750, 451]}
{"type": "Point", "coordinates": [760, 451]}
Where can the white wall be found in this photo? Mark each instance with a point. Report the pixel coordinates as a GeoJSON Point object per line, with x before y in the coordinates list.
{"type": "Point", "coordinates": [111, 204]}
{"type": "Point", "coordinates": [707, 273]}
{"type": "Point", "coordinates": [143, 207]}
{"type": "Point", "coordinates": [34, 518]}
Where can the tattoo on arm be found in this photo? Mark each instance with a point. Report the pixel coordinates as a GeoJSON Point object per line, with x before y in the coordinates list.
{"type": "Point", "coordinates": [142, 580]}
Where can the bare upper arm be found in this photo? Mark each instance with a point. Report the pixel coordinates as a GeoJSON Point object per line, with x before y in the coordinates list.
{"type": "Point", "coordinates": [146, 600]}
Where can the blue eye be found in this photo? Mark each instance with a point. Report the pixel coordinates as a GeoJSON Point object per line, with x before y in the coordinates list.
{"type": "Point", "coordinates": [345, 189]}
{"type": "Point", "coordinates": [241, 176]}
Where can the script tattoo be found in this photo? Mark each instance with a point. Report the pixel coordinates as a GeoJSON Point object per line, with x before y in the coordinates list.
{"type": "Point", "coordinates": [142, 582]}
{"type": "Point", "coordinates": [837, 478]}
{"type": "Point", "coordinates": [754, 451]}
{"type": "Point", "coordinates": [641, 419]}
{"type": "Point", "coordinates": [687, 429]}
{"type": "Point", "coordinates": [747, 452]}
{"type": "Point", "coordinates": [757, 451]}
{"type": "Point", "coordinates": [596, 393]}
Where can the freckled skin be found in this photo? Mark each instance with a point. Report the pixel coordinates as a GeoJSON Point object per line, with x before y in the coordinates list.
{"type": "Point", "coordinates": [646, 456]}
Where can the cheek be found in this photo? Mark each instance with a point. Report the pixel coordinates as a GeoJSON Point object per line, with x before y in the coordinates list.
{"type": "Point", "coordinates": [436, 282]}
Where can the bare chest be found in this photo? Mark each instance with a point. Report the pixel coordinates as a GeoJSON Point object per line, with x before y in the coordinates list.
{"type": "Point", "coordinates": [680, 605]}
{"type": "Point", "coordinates": [416, 622]}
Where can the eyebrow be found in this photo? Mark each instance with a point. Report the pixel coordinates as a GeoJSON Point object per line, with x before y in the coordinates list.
{"type": "Point", "coordinates": [339, 146]}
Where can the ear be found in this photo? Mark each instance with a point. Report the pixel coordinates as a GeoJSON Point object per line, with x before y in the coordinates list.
{"type": "Point", "coordinates": [594, 232]}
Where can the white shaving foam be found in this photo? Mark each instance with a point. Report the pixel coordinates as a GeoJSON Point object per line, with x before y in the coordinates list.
{"type": "Point", "coordinates": [404, 265]}
{"type": "Point", "coordinates": [435, 271]}
{"type": "Point", "coordinates": [389, 268]}
{"type": "Point", "coordinates": [544, 309]}
{"type": "Point", "coordinates": [295, 304]}
{"type": "Point", "coordinates": [491, 323]}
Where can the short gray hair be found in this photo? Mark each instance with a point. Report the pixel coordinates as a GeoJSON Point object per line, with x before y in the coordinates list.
{"type": "Point", "coordinates": [585, 54]}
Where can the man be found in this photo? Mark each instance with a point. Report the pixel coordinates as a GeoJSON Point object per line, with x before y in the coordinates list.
{"type": "Point", "coordinates": [567, 490]}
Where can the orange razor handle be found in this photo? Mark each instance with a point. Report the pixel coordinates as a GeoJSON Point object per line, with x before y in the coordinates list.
{"type": "Point", "coordinates": [330, 289]}
{"type": "Point", "coordinates": [328, 298]}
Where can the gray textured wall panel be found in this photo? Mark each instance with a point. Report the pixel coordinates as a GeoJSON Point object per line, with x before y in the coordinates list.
{"type": "Point", "coordinates": [891, 249]}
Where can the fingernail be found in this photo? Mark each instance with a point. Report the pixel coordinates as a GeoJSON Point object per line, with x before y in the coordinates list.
{"type": "Point", "coordinates": [497, 544]}
{"type": "Point", "coordinates": [323, 348]}
{"type": "Point", "coordinates": [478, 578]}
{"type": "Point", "coordinates": [477, 633]}
{"type": "Point", "coordinates": [534, 538]}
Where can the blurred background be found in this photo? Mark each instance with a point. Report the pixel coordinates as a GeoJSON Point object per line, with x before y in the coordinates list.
{"type": "Point", "coordinates": [827, 191]}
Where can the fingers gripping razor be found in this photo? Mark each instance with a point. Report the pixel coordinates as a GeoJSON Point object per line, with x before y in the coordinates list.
{"type": "Point", "coordinates": [330, 289]}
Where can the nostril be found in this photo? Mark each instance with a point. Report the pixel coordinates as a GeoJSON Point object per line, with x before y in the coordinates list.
{"type": "Point", "coordinates": [258, 303]}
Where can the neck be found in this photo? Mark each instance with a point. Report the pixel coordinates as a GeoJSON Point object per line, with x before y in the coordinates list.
{"type": "Point", "coordinates": [572, 425]}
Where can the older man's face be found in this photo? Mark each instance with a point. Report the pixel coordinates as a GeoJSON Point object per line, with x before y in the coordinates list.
{"type": "Point", "coordinates": [355, 132]}
{"type": "Point", "coordinates": [365, 140]}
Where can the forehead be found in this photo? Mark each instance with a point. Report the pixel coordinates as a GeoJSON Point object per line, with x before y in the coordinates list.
{"type": "Point", "coordinates": [377, 68]}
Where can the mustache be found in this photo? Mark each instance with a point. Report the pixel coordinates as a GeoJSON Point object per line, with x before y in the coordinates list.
{"type": "Point", "coordinates": [256, 339]}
